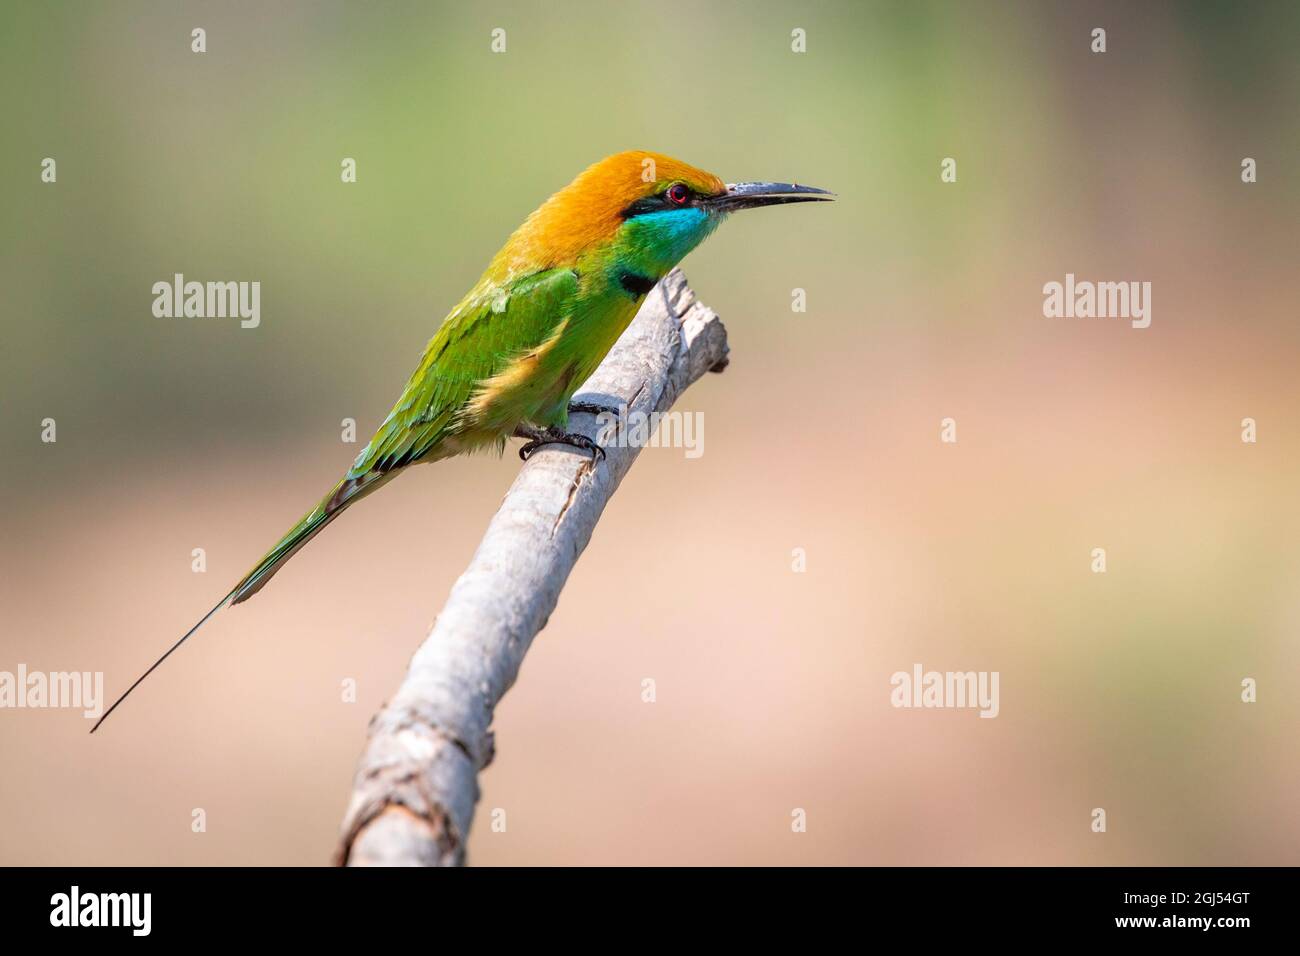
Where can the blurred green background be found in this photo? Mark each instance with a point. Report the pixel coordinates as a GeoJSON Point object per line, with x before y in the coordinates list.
{"type": "Point", "coordinates": [924, 302]}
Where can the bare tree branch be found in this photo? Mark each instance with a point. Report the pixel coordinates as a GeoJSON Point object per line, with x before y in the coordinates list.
{"type": "Point", "coordinates": [417, 783]}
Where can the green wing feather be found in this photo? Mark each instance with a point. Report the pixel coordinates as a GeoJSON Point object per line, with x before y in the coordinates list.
{"type": "Point", "coordinates": [482, 335]}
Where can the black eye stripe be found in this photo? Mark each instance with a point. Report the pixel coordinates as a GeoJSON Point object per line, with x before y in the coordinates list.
{"type": "Point", "coordinates": [658, 202]}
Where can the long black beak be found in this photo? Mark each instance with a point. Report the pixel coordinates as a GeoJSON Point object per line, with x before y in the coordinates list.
{"type": "Point", "coordinates": [753, 195]}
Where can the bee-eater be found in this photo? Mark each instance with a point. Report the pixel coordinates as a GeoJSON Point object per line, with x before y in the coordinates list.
{"type": "Point", "coordinates": [508, 358]}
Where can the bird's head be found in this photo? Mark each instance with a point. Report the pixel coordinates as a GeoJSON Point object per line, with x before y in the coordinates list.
{"type": "Point", "coordinates": [641, 211]}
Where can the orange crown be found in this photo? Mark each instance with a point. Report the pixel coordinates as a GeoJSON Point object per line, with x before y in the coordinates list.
{"type": "Point", "coordinates": [588, 210]}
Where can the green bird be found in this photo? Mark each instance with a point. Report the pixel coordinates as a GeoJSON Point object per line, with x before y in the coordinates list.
{"type": "Point", "coordinates": [508, 358]}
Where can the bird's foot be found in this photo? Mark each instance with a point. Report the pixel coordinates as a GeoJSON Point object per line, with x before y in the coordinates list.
{"type": "Point", "coordinates": [537, 437]}
{"type": "Point", "coordinates": [592, 408]}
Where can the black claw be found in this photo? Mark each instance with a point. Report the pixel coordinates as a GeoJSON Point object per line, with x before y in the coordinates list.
{"type": "Point", "coordinates": [554, 436]}
{"type": "Point", "coordinates": [586, 444]}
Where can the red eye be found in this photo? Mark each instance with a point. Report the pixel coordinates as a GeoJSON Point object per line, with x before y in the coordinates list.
{"type": "Point", "coordinates": [678, 194]}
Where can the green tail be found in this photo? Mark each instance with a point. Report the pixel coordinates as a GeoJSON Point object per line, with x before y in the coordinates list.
{"type": "Point", "coordinates": [345, 493]}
